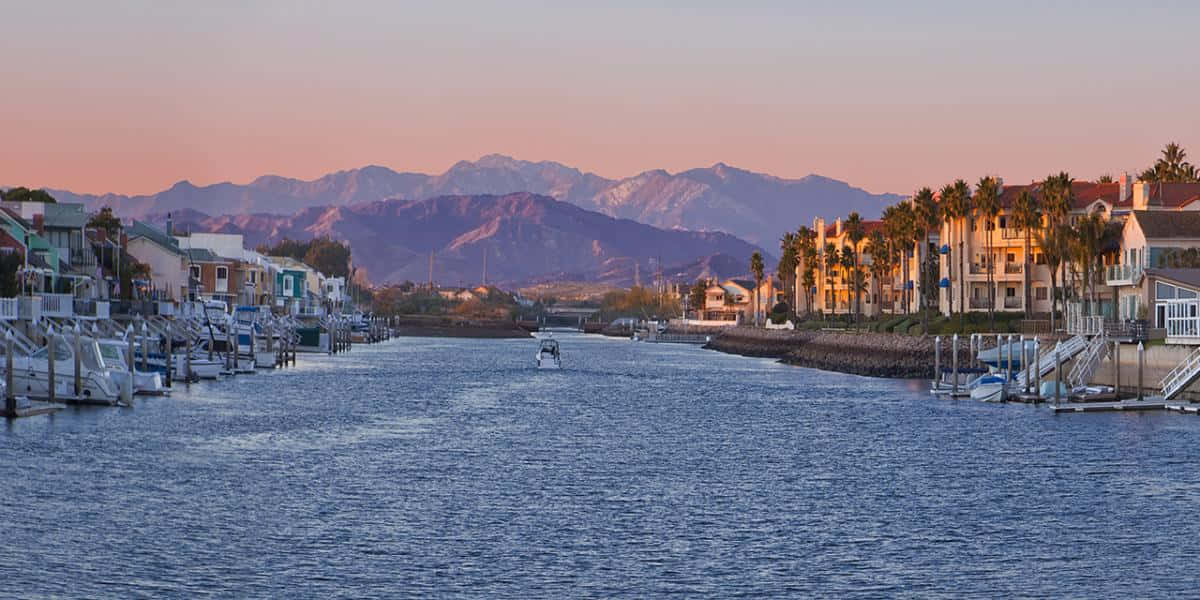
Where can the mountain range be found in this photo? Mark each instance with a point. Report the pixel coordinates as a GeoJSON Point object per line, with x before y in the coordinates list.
{"type": "Point", "coordinates": [753, 206]}
{"type": "Point", "coordinates": [527, 238]}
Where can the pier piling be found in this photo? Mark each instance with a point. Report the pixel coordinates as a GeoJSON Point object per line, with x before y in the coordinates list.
{"type": "Point", "coordinates": [1141, 367]}
{"type": "Point", "coordinates": [51, 361]}
{"type": "Point", "coordinates": [937, 361]}
{"type": "Point", "coordinates": [1057, 377]}
{"type": "Point", "coordinates": [954, 363]}
{"type": "Point", "coordinates": [78, 374]}
{"type": "Point", "coordinates": [10, 394]}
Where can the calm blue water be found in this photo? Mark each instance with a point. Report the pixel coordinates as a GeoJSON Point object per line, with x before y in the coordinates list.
{"type": "Point", "coordinates": [446, 467]}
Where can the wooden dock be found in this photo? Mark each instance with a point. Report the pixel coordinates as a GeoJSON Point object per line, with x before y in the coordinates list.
{"type": "Point", "coordinates": [26, 408]}
{"type": "Point", "coordinates": [1153, 403]}
{"type": "Point", "coordinates": [1184, 407]}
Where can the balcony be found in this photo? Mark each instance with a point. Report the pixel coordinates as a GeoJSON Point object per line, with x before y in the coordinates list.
{"type": "Point", "coordinates": [979, 303]}
{"type": "Point", "coordinates": [92, 309]}
{"type": "Point", "coordinates": [9, 309]}
{"type": "Point", "coordinates": [58, 305]}
{"type": "Point", "coordinates": [1117, 275]}
{"type": "Point", "coordinates": [82, 257]}
{"type": "Point", "coordinates": [1013, 268]}
{"type": "Point", "coordinates": [978, 269]}
{"type": "Point", "coordinates": [1012, 302]}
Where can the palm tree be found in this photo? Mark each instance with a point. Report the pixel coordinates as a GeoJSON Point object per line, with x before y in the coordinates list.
{"type": "Point", "coordinates": [1171, 167]}
{"type": "Point", "coordinates": [926, 216]}
{"type": "Point", "coordinates": [806, 250]}
{"type": "Point", "coordinates": [881, 260]}
{"type": "Point", "coordinates": [1058, 197]}
{"type": "Point", "coordinates": [963, 208]}
{"type": "Point", "coordinates": [1027, 215]}
{"type": "Point", "coordinates": [832, 260]}
{"type": "Point", "coordinates": [855, 233]}
{"type": "Point", "coordinates": [1055, 243]}
{"type": "Point", "coordinates": [987, 203]}
{"type": "Point", "coordinates": [849, 260]}
{"type": "Point", "coordinates": [901, 235]}
{"type": "Point", "coordinates": [949, 217]}
{"type": "Point", "coordinates": [786, 269]}
{"type": "Point", "coordinates": [756, 267]}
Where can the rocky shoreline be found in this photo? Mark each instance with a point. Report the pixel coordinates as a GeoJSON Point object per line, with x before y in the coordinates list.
{"type": "Point", "coordinates": [872, 354]}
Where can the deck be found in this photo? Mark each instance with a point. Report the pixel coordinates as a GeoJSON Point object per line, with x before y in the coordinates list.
{"type": "Point", "coordinates": [1152, 403]}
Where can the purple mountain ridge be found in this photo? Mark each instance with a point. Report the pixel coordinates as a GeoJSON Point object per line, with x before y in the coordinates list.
{"type": "Point", "coordinates": [749, 205]}
{"type": "Point", "coordinates": [527, 237]}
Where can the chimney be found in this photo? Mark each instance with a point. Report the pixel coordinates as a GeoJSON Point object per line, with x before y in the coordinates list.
{"type": "Point", "coordinates": [819, 226]}
{"type": "Point", "coordinates": [39, 223]}
{"type": "Point", "coordinates": [999, 185]}
{"type": "Point", "coordinates": [1126, 190]}
{"type": "Point", "coordinates": [837, 227]}
{"type": "Point", "coordinates": [1141, 195]}
{"type": "Point", "coordinates": [170, 229]}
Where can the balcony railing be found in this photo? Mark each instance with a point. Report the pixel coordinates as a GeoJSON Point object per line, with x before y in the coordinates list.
{"type": "Point", "coordinates": [92, 309]}
{"type": "Point", "coordinates": [979, 303]}
{"type": "Point", "coordinates": [1014, 268]}
{"type": "Point", "coordinates": [1123, 274]}
{"type": "Point", "coordinates": [82, 257]}
{"type": "Point", "coordinates": [58, 305]}
{"type": "Point", "coordinates": [1012, 302]}
{"type": "Point", "coordinates": [9, 309]}
{"type": "Point", "coordinates": [978, 269]}
{"type": "Point", "coordinates": [1182, 318]}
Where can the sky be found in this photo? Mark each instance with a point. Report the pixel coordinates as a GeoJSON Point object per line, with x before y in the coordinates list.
{"type": "Point", "coordinates": [130, 97]}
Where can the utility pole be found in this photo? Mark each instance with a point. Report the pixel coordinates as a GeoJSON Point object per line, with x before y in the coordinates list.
{"type": "Point", "coordinates": [430, 270]}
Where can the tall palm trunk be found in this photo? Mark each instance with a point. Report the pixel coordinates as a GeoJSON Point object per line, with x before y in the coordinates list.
{"type": "Point", "coordinates": [991, 279]}
{"type": "Point", "coordinates": [962, 257]}
{"type": "Point", "coordinates": [857, 289]}
{"type": "Point", "coordinates": [1028, 292]}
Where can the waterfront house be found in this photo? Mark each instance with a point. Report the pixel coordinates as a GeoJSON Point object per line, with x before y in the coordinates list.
{"type": "Point", "coordinates": [161, 252]}
{"type": "Point", "coordinates": [833, 292]}
{"type": "Point", "coordinates": [1155, 267]}
{"type": "Point", "coordinates": [734, 300]}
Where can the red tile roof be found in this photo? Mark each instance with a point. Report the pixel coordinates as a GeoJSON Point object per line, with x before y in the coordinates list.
{"type": "Point", "coordinates": [868, 227]}
{"type": "Point", "coordinates": [1173, 195]}
{"type": "Point", "coordinates": [1085, 193]}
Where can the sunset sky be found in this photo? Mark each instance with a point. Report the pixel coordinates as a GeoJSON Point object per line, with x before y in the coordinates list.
{"type": "Point", "coordinates": [130, 97]}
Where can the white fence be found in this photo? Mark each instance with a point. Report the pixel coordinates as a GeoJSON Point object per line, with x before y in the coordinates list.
{"type": "Point", "coordinates": [1182, 317]}
{"type": "Point", "coordinates": [10, 309]}
{"type": "Point", "coordinates": [58, 305]}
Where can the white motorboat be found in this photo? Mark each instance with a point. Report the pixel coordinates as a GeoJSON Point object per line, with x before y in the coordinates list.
{"type": "Point", "coordinates": [988, 388]}
{"type": "Point", "coordinates": [115, 357]}
{"type": "Point", "coordinates": [548, 355]}
{"type": "Point", "coordinates": [31, 373]}
{"type": "Point", "coordinates": [202, 367]}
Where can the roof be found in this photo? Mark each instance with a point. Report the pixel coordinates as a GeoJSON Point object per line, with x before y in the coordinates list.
{"type": "Point", "coordinates": [1085, 193]}
{"type": "Point", "coordinates": [1185, 276]}
{"type": "Point", "coordinates": [141, 229]}
{"type": "Point", "coordinates": [1173, 195]}
{"type": "Point", "coordinates": [202, 255]}
{"type": "Point", "coordinates": [868, 227]}
{"type": "Point", "coordinates": [1164, 224]}
{"type": "Point", "coordinates": [748, 284]}
{"type": "Point", "coordinates": [66, 215]}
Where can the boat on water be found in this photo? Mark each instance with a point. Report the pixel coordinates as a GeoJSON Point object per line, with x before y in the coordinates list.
{"type": "Point", "coordinates": [115, 357]}
{"type": "Point", "coordinates": [31, 373]}
{"type": "Point", "coordinates": [548, 355]}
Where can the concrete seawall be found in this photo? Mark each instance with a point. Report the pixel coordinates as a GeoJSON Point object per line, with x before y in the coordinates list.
{"type": "Point", "coordinates": [872, 354]}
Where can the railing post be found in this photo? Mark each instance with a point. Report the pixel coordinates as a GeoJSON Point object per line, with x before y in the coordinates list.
{"type": "Point", "coordinates": [1116, 360]}
{"type": "Point", "coordinates": [1141, 358]}
{"type": "Point", "coordinates": [1057, 376]}
{"type": "Point", "coordinates": [10, 394]}
{"type": "Point", "coordinates": [78, 378]}
{"type": "Point", "coordinates": [127, 389]}
{"type": "Point", "coordinates": [51, 360]}
{"type": "Point", "coordinates": [937, 361]}
{"type": "Point", "coordinates": [954, 362]}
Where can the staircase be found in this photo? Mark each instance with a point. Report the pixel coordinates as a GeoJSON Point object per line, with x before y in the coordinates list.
{"type": "Point", "coordinates": [1083, 369]}
{"type": "Point", "coordinates": [1182, 375]}
{"type": "Point", "coordinates": [1066, 349]}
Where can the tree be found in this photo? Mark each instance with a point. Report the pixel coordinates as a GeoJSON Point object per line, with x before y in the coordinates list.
{"type": "Point", "coordinates": [926, 216]}
{"type": "Point", "coordinates": [1105, 178]}
{"type": "Point", "coordinates": [24, 194]}
{"type": "Point", "coordinates": [964, 208]}
{"type": "Point", "coordinates": [832, 262]}
{"type": "Point", "coordinates": [855, 232]}
{"type": "Point", "coordinates": [1171, 167]}
{"type": "Point", "coordinates": [1027, 215]}
{"type": "Point", "coordinates": [330, 257]}
{"type": "Point", "coordinates": [987, 203]}
{"type": "Point", "coordinates": [881, 259]}
{"type": "Point", "coordinates": [786, 269]}
{"type": "Point", "coordinates": [756, 267]}
{"type": "Point", "coordinates": [1058, 197]}
{"type": "Point", "coordinates": [106, 221]}
{"type": "Point", "coordinates": [697, 295]}
{"type": "Point", "coordinates": [806, 253]}
{"type": "Point", "coordinates": [900, 232]}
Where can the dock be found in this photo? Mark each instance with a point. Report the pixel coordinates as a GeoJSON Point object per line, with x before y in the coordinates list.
{"type": "Point", "coordinates": [1184, 407]}
{"type": "Point", "coordinates": [26, 408]}
{"type": "Point", "coordinates": [1152, 403]}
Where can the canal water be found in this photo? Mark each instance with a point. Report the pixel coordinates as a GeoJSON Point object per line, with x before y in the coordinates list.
{"type": "Point", "coordinates": [436, 467]}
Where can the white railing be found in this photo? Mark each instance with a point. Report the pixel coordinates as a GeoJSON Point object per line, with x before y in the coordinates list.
{"type": "Point", "coordinates": [9, 309]}
{"type": "Point", "coordinates": [1085, 366]}
{"type": "Point", "coordinates": [29, 307]}
{"type": "Point", "coordinates": [1182, 317]}
{"type": "Point", "coordinates": [1181, 375]}
{"type": "Point", "coordinates": [58, 305]}
{"type": "Point", "coordinates": [103, 309]}
{"type": "Point", "coordinates": [1122, 274]}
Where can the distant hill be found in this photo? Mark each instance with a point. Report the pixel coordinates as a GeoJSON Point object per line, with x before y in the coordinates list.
{"type": "Point", "coordinates": [752, 206]}
{"type": "Point", "coordinates": [527, 238]}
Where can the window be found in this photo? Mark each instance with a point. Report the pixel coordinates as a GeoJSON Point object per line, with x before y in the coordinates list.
{"type": "Point", "coordinates": [222, 272]}
{"type": "Point", "coordinates": [1010, 292]}
{"type": "Point", "coordinates": [288, 285]}
{"type": "Point", "coordinates": [1003, 222]}
{"type": "Point", "coordinates": [195, 270]}
{"type": "Point", "coordinates": [1010, 257]}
